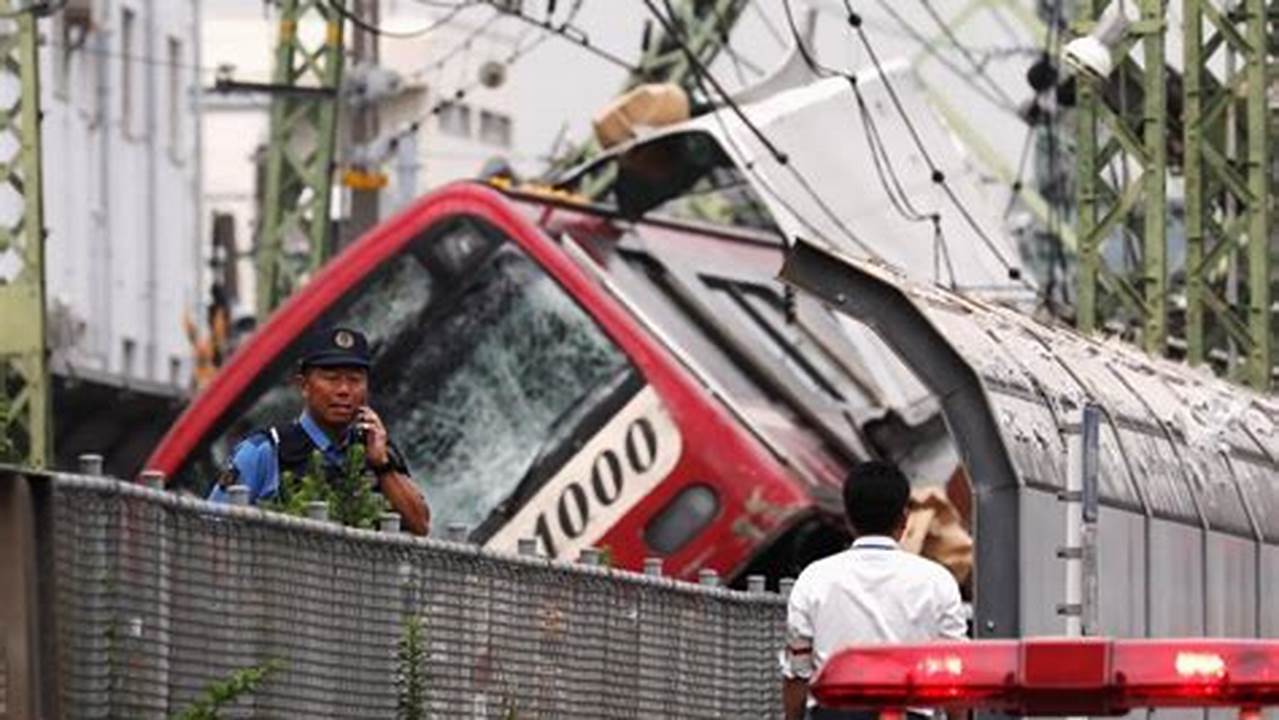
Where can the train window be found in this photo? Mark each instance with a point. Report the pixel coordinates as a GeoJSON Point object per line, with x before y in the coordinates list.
{"type": "Point", "coordinates": [686, 515]}
{"type": "Point", "coordinates": [764, 316]}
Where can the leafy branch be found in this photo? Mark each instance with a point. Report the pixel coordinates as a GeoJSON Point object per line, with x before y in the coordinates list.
{"type": "Point", "coordinates": [410, 682]}
{"type": "Point", "coordinates": [349, 493]}
{"type": "Point", "coordinates": [224, 693]}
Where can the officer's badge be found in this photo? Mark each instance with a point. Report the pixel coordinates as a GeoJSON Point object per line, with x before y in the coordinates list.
{"type": "Point", "coordinates": [343, 339]}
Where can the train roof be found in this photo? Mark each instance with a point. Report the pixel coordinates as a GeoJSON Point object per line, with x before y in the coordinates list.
{"type": "Point", "coordinates": [1176, 442]}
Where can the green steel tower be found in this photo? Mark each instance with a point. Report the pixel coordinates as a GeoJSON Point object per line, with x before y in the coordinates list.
{"type": "Point", "coordinates": [1224, 286]}
{"type": "Point", "coordinates": [1126, 202]}
{"type": "Point", "coordinates": [294, 240]}
{"type": "Point", "coordinates": [1227, 166]}
{"type": "Point", "coordinates": [24, 372]}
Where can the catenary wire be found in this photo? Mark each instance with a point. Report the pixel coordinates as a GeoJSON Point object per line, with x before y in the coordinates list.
{"type": "Point", "coordinates": [938, 176]}
{"type": "Point", "coordinates": [437, 23]}
{"type": "Point", "coordinates": [703, 78]}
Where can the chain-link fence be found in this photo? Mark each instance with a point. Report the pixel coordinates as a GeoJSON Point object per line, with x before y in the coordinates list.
{"type": "Point", "coordinates": [163, 602]}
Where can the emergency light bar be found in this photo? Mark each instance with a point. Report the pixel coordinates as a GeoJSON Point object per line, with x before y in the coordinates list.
{"type": "Point", "coordinates": [1054, 676]}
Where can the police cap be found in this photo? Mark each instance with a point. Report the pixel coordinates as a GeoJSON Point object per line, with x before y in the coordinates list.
{"type": "Point", "coordinates": [335, 347]}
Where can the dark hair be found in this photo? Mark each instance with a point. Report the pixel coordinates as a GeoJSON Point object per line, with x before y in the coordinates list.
{"type": "Point", "coordinates": [875, 496]}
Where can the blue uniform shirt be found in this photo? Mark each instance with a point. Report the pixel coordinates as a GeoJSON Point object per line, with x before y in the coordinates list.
{"type": "Point", "coordinates": [256, 466]}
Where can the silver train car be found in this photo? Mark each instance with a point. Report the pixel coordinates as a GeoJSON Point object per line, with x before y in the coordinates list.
{"type": "Point", "coordinates": [1188, 533]}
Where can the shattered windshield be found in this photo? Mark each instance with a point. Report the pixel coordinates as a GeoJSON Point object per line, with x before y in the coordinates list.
{"type": "Point", "coordinates": [478, 357]}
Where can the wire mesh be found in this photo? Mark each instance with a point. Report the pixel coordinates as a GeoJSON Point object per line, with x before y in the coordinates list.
{"type": "Point", "coordinates": [159, 598]}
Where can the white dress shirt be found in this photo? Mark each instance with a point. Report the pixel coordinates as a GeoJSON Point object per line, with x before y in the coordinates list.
{"type": "Point", "coordinates": [872, 593]}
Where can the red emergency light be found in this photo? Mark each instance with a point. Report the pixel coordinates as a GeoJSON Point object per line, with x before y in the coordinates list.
{"type": "Point", "coordinates": [1054, 676]}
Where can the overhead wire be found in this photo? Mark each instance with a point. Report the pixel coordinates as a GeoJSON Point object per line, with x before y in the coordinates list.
{"type": "Point", "coordinates": [463, 45]}
{"type": "Point", "coordinates": [889, 180]}
{"type": "Point", "coordinates": [721, 29]}
{"type": "Point", "coordinates": [883, 163]}
{"type": "Point", "coordinates": [521, 50]}
{"type": "Point", "coordinates": [958, 72]}
{"type": "Point", "coordinates": [454, 10]}
{"type": "Point", "coordinates": [705, 81]}
{"type": "Point", "coordinates": [966, 52]}
{"type": "Point", "coordinates": [142, 59]}
{"type": "Point", "coordinates": [937, 175]}
{"type": "Point", "coordinates": [570, 33]}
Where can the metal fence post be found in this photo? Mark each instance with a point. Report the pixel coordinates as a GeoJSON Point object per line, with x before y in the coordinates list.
{"type": "Point", "coordinates": [90, 464]}
{"type": "Point", "coordinates": [708, 577]}
{"type": "Point", "coordinates": [756, 584]}
{"type": "Point", "coordinates": [458, 532]}
{"type": "Point", "coordinates": [153, 479]}
{"type": "Point", "coordinates": [590, 556]}
{"type": "Point", "coordinates": [316, 510]}
{"type": "Point", "coordinates": [389, 522]}
{"type": "Point", "coordinates": [527, 547]}
{"type": "Point", "coordinates": [238, 494]}
{"type": "Point", "coordinates": [653, 566]}
{"type": "Point", "coordinates": [785, 586]}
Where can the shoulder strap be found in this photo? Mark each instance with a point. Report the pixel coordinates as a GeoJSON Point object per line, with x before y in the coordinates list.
{"type": "Point", "coordinates": [292, 448]}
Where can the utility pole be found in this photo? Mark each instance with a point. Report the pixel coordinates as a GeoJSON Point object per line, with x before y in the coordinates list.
{"type": "Point", "coordinates": [1227, 184]}
{"type": "Point", "coordinates": [1136, 203]}
{"type": "Point", "coordinates": [364, 122]}
{"type": "Point", "coordinates": [294, 239]}
{"type": "Point", "coordinates": [24, 373]}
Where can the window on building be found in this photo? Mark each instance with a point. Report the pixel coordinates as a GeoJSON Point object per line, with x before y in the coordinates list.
{"type": "Point", "coordinates": [128, 355]}
{"type": "Point", "coordinates": [128, 45]}
{"type": "Point", "coordinates": [175, 65]}
{"type": "Point", "coordinates": [495, 128]}
{"type": "Point", "coordinates": [61, 58]}
{"type": "Point", "coordinates": [455, 119]}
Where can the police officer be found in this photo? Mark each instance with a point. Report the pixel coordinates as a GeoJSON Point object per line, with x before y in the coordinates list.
{"type": "Point", "coordinates": [333, 377]}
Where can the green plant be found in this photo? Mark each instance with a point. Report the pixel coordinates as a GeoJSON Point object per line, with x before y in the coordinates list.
{"type": "Point", "coordinates": [350, 494]}
{"type": "Point", "coordinates": [354, 503]}
{"type": "Point", "coordinates": [220, 694]}
{"type": "Point", "coordinates": [410, 682]}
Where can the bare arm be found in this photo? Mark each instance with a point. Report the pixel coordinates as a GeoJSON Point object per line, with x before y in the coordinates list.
{"type": "Point", "coordinates": [407, 500]}
{"type": "Point", "coordinates": [396, 487]}
{"type": "Point", "coordinates": [794, 698]}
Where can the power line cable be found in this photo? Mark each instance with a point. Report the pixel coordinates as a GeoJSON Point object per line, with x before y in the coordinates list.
{"type": "Point", "coordinates": [882, 160]}
{"type": "Point", "coordinates": [575, 35]}
{"type": "Point", "coordinates": [946, 62]}
{"type": "Point", "coordinates": [703, 77]}
{"type": "Point", "coordinates": [768, 24]}
{"type": "Point", "coordinates": [722, 29]}
{"type": "Point", "coordinates": [457, 95]}
{"type": "Point", "coordinates": [963, 50]}
{"type": "Point", "coordinates": [1019, 179]}
{"type": "Point", "coordinates": [454, 11]}
{"type": "Point", "coordinates": [938, 176]}
{"type": "Point", "coordinates": [464, 45]}
{"type": "Point", "coordinates": [878, 148]}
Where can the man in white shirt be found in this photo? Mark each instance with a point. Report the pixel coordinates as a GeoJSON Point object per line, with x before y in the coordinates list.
{"type": "Point", "coordinates": [871, 593]}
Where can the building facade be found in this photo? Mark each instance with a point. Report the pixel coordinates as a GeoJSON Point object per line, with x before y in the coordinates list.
{"type": "Point", "coordinates": [121, 154]}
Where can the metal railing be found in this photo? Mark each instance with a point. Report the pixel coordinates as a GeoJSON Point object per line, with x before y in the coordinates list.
{"type": "Point", "coordinates": [159, 600]}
